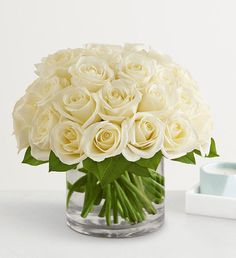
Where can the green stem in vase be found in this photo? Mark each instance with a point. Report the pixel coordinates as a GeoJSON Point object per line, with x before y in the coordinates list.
{"type": "Point", "coordinates": [121, 201]}
{"type": "Point", "coordinates": [99, 196]}
{"type": "Point", "coordinates": [154, 184]}
{"type": "Point", "coordinates": [143, 198]}
{"type": "Point", "coordinates": [108, 204]}
{"type": "Point", "coordinates": [133, 198]}
{"type": "Point", "coordinates": [138, 207]}
{"type": "Point", "coordinates": [120, 210]}
{"type": "Point", "coordinates": [157, 177]}
{"type": "Point", "coordinates": [114, 205]}
{"type": "Point", "coordinates": [150, 188]}
{"type": "Point", "coordinates": [103, 210]}
{"type": "Point", "coordinates": [78, 186]}
{"type": "Point", "coordinates": [131, 211]}
{"type": "Point", "coordinates": [138, 183]}
{"type": "Point", "coordinates": [91, 192]}
{"type": "Point", "coordinates": [129, 196]}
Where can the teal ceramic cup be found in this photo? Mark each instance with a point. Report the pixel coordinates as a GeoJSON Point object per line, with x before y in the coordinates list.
{"type": "Point", "coordinates": [218, 179]}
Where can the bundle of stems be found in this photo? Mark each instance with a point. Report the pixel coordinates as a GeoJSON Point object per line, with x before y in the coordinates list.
{"type": "Point", "coordinates": [129, 197]}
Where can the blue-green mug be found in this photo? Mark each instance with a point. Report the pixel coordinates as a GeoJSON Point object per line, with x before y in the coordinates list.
{"type": "Point", "coordinates": [218, 178]}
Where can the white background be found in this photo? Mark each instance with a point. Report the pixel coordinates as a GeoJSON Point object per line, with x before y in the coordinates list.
{"type": "Point", "coordinates": [200, 35]}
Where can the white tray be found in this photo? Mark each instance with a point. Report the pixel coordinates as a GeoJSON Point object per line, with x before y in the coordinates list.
{"type": "Point", "coordinates": [209, 205]}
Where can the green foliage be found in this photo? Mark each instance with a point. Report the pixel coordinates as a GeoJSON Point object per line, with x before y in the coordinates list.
{"type": "Point", "coordinates": [91, 166]}
{"type": "Point", "coordinates": [29, 159]}
{"type": "Point", "coordinates": [152, 162]}
{"type": "Point", "coordinates": [212, 152]}
{"type": "Point", "coordinates": [139, 170]}
{"type": "Point", "coordinates": [123, 188]}
{"type": "Point", "coordinates": [107, 170]}
{"type": "Point", "coordinates": [112, 168]}
{"type": "Point", "coordinates": [117, 167]}
{"type": "Point", "coordinates": [188, 158]}
{"type": "Point", "coordinates": [56, 165]}
{"type": "Point", "coordinates": [197, 152]}
{"type": "Point", "coordinates": [78, 186]}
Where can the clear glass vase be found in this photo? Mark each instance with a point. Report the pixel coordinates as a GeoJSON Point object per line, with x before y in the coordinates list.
{"type": "Point", "coordinates": [140, 209]}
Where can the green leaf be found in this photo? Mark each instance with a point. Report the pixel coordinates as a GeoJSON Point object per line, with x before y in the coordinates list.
{"type": "Point", "coordinates": [103, 167]}
{"type": "Point", "coordinates": [29, 159]}
{"type": "Point", "coordinates": [152, 162]}
{"type": "Point", "coordinates": [212, 152]}
{"type": "Point", "coordinates": [56, 165]}
{"type": "Point", "coordinates": [197, 152]}
{"type": "Point", "coordinates": [91, 193]}
{"type": "Point", "coordinates": [107, 170]}
{"type": "Point", "coordinates": [76, 187]}
{"type": "Point", "coordinates": [83, 170]}
{"type": "Point", "coordinates": [99, 197]}
{"type": "Point", "coordinates": [117, 167]}
{"type": "Point", "coordinates": [91, 166]}
{"type": "Point", "coordinates": [157, 177]}
{"type": "Point", "coordinates": [139, 170]}
{"type": "Point", "coordinates": [108, 204]}
{"type": "Point", "coordinates": [188, 158]}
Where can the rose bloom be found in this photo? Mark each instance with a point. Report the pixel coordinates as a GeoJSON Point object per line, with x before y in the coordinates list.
{"type": "Point", "coordinates": [77, 104]}
{"type": "Point", "coordinates": [145, 137]}
{"type": "Point", "coordinates": [158, 101]}
{"type": "Point", "coordinates": [110, 53]}
{"type": "Point", "coordinates": [109, 100]}
{"type": "Point", "coordinates": [103, 140]}
{"type": "Point", "coordinates": [132, 48]}
{"type": "Point", "coordinates": [203, 125]}
{"type": "Point", "coordinates": [39, 136]}
{"type": "Point", "coordinates": [160, 58]}
{"type": "Point", "coordinates": [188, 102]}
{"type": "Point", "coordinates": [91, 72]}
{"type": "Point", "coordinates": [118, 100]}
{"type": "Point", "coordinates": [58, 62]}
{"type": "Point", "coordinates": [139, 67]}
{"type": "Point", "coordinates": [191, 105]}
{"type": "Point", "coordinates": [23, 114]}
{"type": "Point", "coordinates": [66, 142]}
{"type": "Point", "coordinates": [179, 137]}
{"type": "Point", "coordinates": [173, 77]}
{"type": "Point", "coordinates": [46, 88]}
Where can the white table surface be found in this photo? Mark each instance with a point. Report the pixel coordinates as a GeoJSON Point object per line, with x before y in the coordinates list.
{"type": "Point", "coordinates": [32, 225]}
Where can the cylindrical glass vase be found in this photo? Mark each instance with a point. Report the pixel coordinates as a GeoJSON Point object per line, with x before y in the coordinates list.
{"type": "Point", "coordinates": [133, 207]}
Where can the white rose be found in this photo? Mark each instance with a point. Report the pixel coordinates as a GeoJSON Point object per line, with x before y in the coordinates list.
{"type": "Point", "coordinates": [77, 104]}
{"type": "Point", "coordinates": [188, 102]}
{"type": "Point", "coordinates": [46, 88]}
{"type": "Point", "coordinates": [173, 77]}
{"type": "Point", "coordinates": [66, 142]}
{"type": "Point", "coordinates": [119, 100]}
{"type": "Point", "coordinates": [103, 140]}
{"type": "Point", "coordinates": [58, 62]}
{"type": "Point", "coordinates": [145, 137]}
{"type": "Point", "coordinates": [192, 106]}
{"type": "Point", "coordinates": [39, 137]}
{"type": "Point", "coordinates": [91, 72]}
{"type": "Point", "coordinates": [138, 67]}
{"type": "Point", "coordinates": [203, 126]}
{"type": "Point", "coordinates": [130, 48]}
{"type": "Point", "coordinates": [161, 59]}
{"type": "Point", "coordinates": [110, 53]}
{"type": "Point", "coordinates": [23, 114]}
{"type": "Point", "coordinates": [180, 137]}
{"type": "Point", "coordinates": [157, 101]}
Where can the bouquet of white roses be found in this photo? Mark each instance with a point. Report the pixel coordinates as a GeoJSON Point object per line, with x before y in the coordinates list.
{"type": "Point", "coordinates": [113, 112]}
